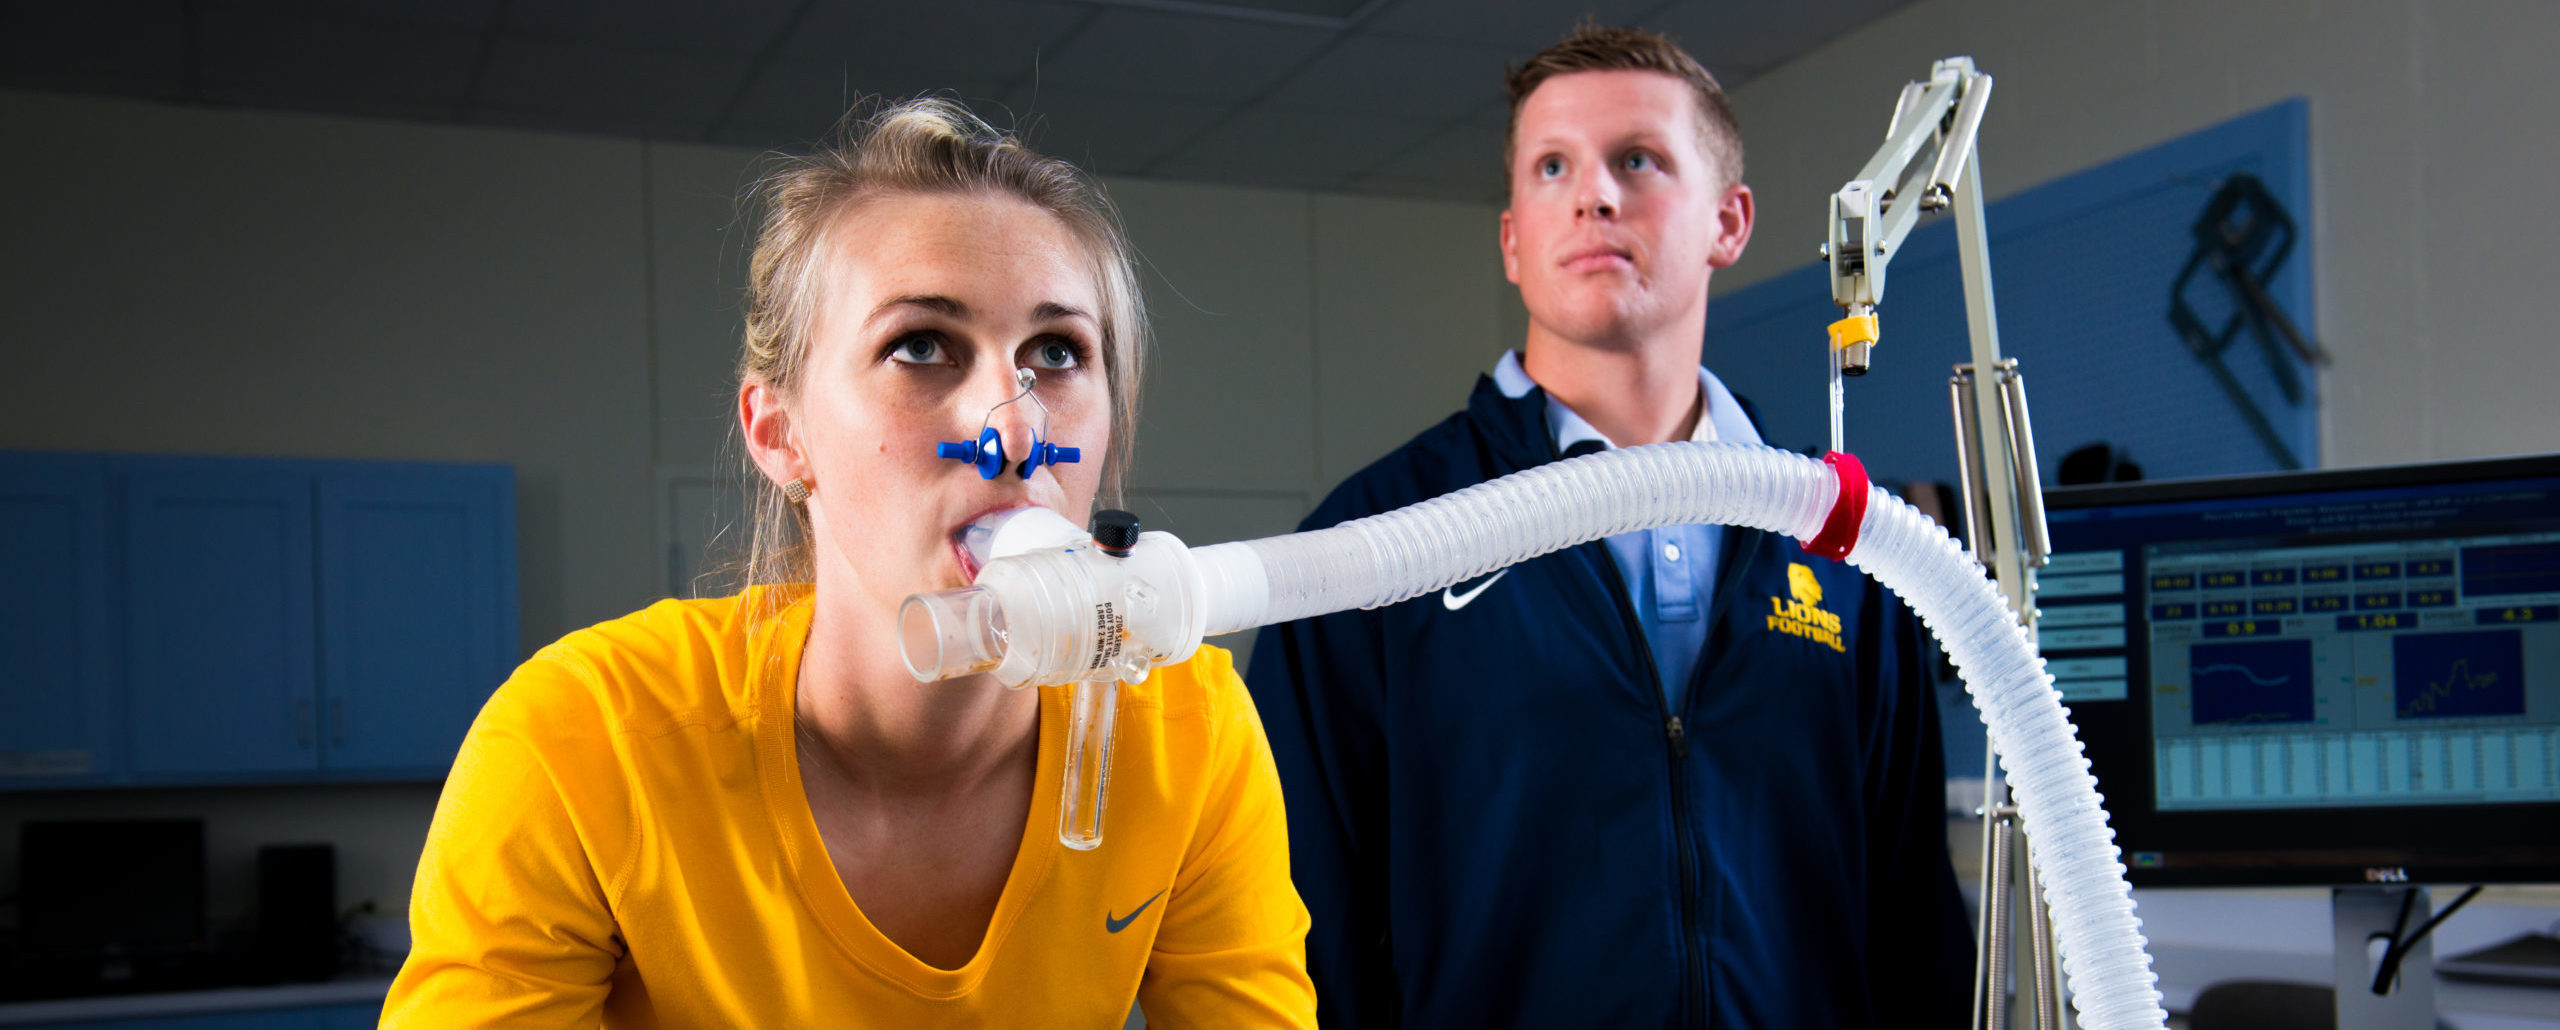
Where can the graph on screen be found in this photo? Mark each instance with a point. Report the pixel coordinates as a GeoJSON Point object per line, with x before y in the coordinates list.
{"type": "Point", "coordinates": [2254, 682]}
{"type": "Point", "coordinates": [2455, 675]}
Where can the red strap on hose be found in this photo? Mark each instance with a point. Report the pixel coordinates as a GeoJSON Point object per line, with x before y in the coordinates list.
{"type": "Point", "coordinates": [1840, 528]}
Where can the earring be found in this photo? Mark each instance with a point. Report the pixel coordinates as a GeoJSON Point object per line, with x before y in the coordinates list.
{"type": "Point", "coordinates": [796, 491]}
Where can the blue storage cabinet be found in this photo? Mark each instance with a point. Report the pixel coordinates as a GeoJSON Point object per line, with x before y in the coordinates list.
{"type": "Point", "coordinates": [332, 1017]}
{"type": "Point", "coordinates": [351, 1017]}
{"type": "Point", "coordinates": [218, 570]}
{"type": "Point", "coordinates": [417, 610]}
{"type": "Point", "coordinates": [57, 655]}
{"type": "Point", "coordinates": [221, 620]}
{"type": "Point", "coordinates": [261, 1019]}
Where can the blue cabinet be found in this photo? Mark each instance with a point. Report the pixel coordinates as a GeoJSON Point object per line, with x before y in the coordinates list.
{"type": "Point", "coordinates": [351, 1017]}
{"type": "Point", "coordinates": [260, 1019]}
{"type": "Point", "coordinates": [217, 620]}
{"type": "Point", "coordinates": [330, 1017]}
{"type": "Point", "coordinates": [57, 668]}
{"type": "Point", "coordinates": [417, 611]}
{"type": "Point", "coordinates": [218, 577]}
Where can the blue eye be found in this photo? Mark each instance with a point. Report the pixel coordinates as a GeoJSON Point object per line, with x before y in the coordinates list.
{"type": "Point", "coordinates": [918, 349]}
{"type": "Point", "coordinates": [1551, 167]}
{"type": "Point", "coordinates": [1639, 161]}
{"type": "Point", "coordinates": [1055, 354]}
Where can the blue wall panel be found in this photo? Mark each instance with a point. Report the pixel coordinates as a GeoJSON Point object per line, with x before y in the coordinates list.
{"type": "Point", "coordinates": [2081, 269]}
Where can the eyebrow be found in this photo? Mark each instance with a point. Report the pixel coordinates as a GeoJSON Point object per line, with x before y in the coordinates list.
{"type": "Point", "coordinates": [1047, 310]}
{"type": "Point", "coordinates": [1050, 310]}
{"type": "Point", "coordinates": [1654, 138]}
{"type": "Point", "coordinates": [935, 303]}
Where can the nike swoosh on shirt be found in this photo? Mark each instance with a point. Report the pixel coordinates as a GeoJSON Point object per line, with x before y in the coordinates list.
{"type": "Point", "coordinates": [1453, 600]}
{"type": "Point", "coordinates": [1115, 924]}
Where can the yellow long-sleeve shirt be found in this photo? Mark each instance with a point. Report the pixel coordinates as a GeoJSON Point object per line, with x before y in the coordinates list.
{"type": "Point", "coordinates": [625, 839]}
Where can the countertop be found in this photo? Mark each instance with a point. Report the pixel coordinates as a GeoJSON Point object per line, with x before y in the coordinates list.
{"type": "Point", "coordinates": [361, 988]}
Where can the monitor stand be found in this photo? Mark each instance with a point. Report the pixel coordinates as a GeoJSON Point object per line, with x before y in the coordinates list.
{"type": "Point", "coordinates": [2360, 916]}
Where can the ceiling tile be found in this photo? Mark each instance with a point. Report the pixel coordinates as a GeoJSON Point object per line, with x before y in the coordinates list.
{"type": "Point", "coordinates": [634, 86]}
{"type": "Point", "coordinates": [452, 14]}
{"type": "Point", "coordinates": [1274, 177]}
{"type": "Point", "coordinates": [1294, 144]}
{"type": "Point", "coordinates": [1109, 134]}
{"type": "Point", "coordinates": [730, 26]}
{"type": "Point", "coordinates": [755, 136]}
{"type": "Point", "coordinates": [584, 123]}
{"type": "Point", "coordinates": [1518, 28]}
{"type": "Point", "coordinates": [810, 97]}
{"type": "Point", "coordinates": [1740, 41]}
{"type": "Point", "coordinates": [1421, 189]}
{"type": "Point", "coordinates": [979, 39]}
{"type": "Point", "coordinates": [1123, 88]}
{"type": "Point", "coordinates": [351, 105]}
{"type": "Point", "coordinates": [254, 52]}
{"type": "Point", "coordinates": [122, 46]}
{"type": "Point", "coordinates": [1180, 56]}
{"type": "Point", "coordinates": [1398, 75]}
{"type": "Point", "coordinates": [1464, 158]}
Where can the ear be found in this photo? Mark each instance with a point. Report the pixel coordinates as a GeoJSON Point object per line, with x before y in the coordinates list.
{"type": "Point", "coordinates": [1733, 226]}
{"type": "Point", "coordinates": [766, 424]}
{"type": "Point", "coordinates": [1510, 250]}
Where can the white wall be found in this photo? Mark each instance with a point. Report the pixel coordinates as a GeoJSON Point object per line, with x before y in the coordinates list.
{"type": "Point", "coordinates": [2429, 138]}
{"type": "Point", "coordinates": [224, 282]}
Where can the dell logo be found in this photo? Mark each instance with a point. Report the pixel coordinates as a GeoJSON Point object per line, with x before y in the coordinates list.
{"type": "Point", "coordinates": [2393, 874]}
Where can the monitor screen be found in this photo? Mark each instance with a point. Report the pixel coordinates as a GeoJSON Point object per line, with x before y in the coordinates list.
{"type": "Point", "coordinates": [133, 886]}
{"type": "Point", "coordinates": [2320, 677]}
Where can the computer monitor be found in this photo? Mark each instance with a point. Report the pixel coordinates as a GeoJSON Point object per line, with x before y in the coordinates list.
{"type": "Point", "coordinates": [2335, 677]}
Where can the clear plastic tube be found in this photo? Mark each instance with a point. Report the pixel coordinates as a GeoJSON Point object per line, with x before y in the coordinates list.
{"type": "Point", "coordinates": [1412, 551]}
{"type": "Point", "coordinates": [953, 633]}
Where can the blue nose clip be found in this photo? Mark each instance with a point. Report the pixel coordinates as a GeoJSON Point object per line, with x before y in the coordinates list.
{"type": "Point", "coordinates": [986, 453]}
{"type": "Point", "coordinates": [1046, 453]}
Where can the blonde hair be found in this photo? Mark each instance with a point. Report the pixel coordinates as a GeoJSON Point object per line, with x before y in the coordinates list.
{"type": "Point", "coordinates": [925, 145]}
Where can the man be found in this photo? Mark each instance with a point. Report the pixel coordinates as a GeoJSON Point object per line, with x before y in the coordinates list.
{"type": "Point", "coordinates": [1682, 777]}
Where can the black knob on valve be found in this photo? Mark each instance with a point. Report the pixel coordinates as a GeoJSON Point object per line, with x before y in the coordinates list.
{"type": "Point", "coordinates": [1115, 530]}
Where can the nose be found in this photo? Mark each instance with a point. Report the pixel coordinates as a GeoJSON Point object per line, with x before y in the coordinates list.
{"type": "Point", "coordinates": [993, 430]}
{"type": "Point", "coordinates": [1596, 195]}
{"type": "Point", "coordinates": [1018, 421]}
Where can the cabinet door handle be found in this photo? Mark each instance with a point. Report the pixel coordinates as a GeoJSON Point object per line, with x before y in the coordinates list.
{"type": "Point", "coordinates": [337, 722]}
{"type": "Point", "coordinates": [302, 721]}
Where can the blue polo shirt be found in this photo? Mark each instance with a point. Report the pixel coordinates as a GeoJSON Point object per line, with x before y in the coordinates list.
{"type": "Point", "coordinates": [1670, 571]}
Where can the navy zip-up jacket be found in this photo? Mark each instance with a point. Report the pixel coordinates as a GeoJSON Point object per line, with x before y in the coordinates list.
{"type": "Point", "coordinates": [1497, 821]}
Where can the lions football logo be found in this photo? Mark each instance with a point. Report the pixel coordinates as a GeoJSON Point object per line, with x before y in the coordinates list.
{"type": "Point", "coordinates": [1807, 589]}
{"type": "Point", "coordinates": [1802, 616]}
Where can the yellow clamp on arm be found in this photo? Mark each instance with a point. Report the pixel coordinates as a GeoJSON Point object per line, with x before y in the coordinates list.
{"type": "Point", "coordinates": [1852, 331]}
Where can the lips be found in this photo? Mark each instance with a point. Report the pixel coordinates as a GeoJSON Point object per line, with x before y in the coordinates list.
{"type": "Point", "coordinates": [959, 533]}
{"type": "Point", "coordinates": [1596, 258]}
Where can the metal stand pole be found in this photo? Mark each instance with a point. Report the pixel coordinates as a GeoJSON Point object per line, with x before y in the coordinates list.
{"type": "Point", "coordinates": [1991, 989]}
{"type": "Point", "coordinates": [2048, 978]}
{"type": "Point", "coordinates": [2003, 845]}
{"type": "Point", "coordinates": [2004, 521]}
{"type": "Point", "coordinates": [2357, 916]}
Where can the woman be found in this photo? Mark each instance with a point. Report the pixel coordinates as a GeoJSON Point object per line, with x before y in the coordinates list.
{"type": "Point", "coordinates": [744, 812]}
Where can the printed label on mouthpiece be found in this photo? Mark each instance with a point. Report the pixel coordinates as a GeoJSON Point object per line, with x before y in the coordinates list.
{"type": "Point", "coordinates": [1107, 631]}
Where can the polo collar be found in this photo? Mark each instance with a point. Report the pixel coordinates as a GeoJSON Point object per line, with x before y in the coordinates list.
{"type": "Point", "coordinates": [1724, 418]}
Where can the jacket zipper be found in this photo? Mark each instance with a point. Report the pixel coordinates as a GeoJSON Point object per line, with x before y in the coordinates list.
{"type": "Point", "coordinates": [1693, 977]}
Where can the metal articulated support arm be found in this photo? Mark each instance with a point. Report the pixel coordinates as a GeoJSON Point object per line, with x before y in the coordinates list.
{"type": "Point", "coordinates": [1926, 150]}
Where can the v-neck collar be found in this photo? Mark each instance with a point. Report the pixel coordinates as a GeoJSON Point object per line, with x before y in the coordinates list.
{"type": "Point", "coordinates": [774, 658]}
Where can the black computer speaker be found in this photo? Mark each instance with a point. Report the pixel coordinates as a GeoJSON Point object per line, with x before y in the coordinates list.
{"type": "Point", "coordinates": [298, 911]}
